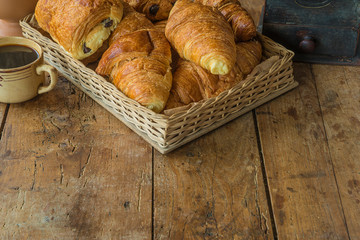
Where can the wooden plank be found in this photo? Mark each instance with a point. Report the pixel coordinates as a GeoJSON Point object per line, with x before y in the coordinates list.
{"type": "Point", "coordinates": [70, 170]}
{"type": "Point", "coordinates": [298, 164]}
{"type": "Point", "coordinates": [212, 188]}
{"type": "Point", "coordinates": [339, 96]}
{"type": "Point", "coordinates": [3, 107]}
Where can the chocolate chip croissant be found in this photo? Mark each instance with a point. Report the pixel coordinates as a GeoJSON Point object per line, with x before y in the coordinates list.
{"type": "Point", "coordinates": [202, 35]}
{"type": "Point", "coordinates": [80, 27]}
{"type": "Point", "coordinates": [153, 9]}
{"type": "Point", "coordinates": [131, 22]}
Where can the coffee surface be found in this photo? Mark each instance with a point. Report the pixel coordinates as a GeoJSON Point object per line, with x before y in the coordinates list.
{"type": "Point", "coordinates": [13, 56]}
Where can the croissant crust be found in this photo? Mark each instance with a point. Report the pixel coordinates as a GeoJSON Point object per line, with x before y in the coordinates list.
{"type": "Point", "coordinates": [138, 64]}
{"type": "Point", "coordinates": [80, 27]}
{"type": "Point", "coordinates": [153, 9]}
{"type": "Point", "coordinates": [201, 35]}
{"type": "Point", "coordinates": [131, 22]}
{"type": "Point", "coordinates": [240, 20]}
{"type": "Point", "coordinates": [192, 83]}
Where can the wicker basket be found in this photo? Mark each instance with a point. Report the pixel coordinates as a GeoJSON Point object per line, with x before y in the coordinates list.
{"type": "Point", "coordinates": [166, 132]}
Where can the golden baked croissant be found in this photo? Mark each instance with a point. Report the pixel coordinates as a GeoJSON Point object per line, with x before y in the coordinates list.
{"type": "Point", "coordinates": [240, 20]}
{"type": "Point", "coordinates": [153, 9]}
{"type": "Point", "coordinates": [80, 27]}
{"type": "Point", "coordinates": [138, 64]}
{"type": "Point", "coordinates": [160, 25]}
{"type": "Point", "coordinates": [201, 35]}
{"type": "Point", "coordinates": [191, 83]}
{"type": "Point", "coordinates": [249, 55]}
{"type": "Point", "coordinates": [131, 22]}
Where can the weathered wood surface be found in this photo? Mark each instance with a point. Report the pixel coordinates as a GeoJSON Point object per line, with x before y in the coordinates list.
{"type": "Point", "coordinates": [3, 108]}
{"type": "Point", "coordinates": [289, 170]}
{"type": "Point", "coordinates": [333, 27]}
{"type": "Point", "coordinates": [337, 13]}
{"type": "Point", "coordinates": [339, 98]}
{"type": "Point", "coordinates": [70, 170]}
{"type": "Point", "coordinates": [299, 165]}
{"type": "Point", "coordinates": [213, 187]}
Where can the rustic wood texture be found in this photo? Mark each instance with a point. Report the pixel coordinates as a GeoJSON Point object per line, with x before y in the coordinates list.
{"type": "Point", "coordinates": [3, 108]}
{"type": "Point", "coordinates": [339, 97]}
{"type": "Point", "coordinates": [288, 170]}
{"type": "Point", "coordinates": [213, 187]}
{"type": "Point", "coordinates": [298, 164]}
{"type": "Point", "coordinates": [70, 170]}
{"type": "Point", "coordinates": [289, 12]}
{"type": "Point", "coordinates": [331, 29]}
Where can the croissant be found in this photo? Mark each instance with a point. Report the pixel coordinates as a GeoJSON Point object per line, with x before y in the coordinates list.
{"type": "Point", "coordinates": [80, 27]}
{"type": "Point", "coordinates": [240, 20]}
{"type": "Point", "coordinates": [192, 83]}
{"type": "Point", "coordinates": [201, 35]}
{"type": "Point", "coordinates": [160, 25]}
{"type": "Point", "coordinates": [131, 22]}
{"type": "Point", "coordinates": [138, 64]}
{"type": "Point", "coordinates": [153, 9]}
{"type": "Point", "coordinates": [249, 55]}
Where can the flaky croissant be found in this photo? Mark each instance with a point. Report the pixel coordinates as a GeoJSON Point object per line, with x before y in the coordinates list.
{"type": "Point", "coordinates": [240, 20]}
{"type": "Point", "coordinates": [153, 9]}
{"type": "Point", "coordinates": [138, 64]}
{"type": "Point", "coordinates": [191, 83]}
{"type": "Point", "coordinates": [131, 22]}
{"type": "Point", "coordinates": [248, 55]}
{"type": "Point", "coordinates": [201, 35]}
{"type": "Point", "coordinates": [80, 27]}
{"type": "Point", "coordinates": [160, 25]}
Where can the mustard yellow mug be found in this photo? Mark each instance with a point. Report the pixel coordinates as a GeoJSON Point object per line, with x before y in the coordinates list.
{"type": "Point", "coordinates": [22, 70]}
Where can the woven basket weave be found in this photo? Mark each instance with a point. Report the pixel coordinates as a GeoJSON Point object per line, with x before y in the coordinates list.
{"type": "Point", "coordinates": [166, 132]}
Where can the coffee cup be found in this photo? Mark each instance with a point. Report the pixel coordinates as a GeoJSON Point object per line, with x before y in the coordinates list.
{"type": "Point", "coordinates": [22, 70]}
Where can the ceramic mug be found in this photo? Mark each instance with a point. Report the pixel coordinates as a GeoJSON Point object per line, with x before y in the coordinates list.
{"type": "Point", "coordinates": [22, 70]}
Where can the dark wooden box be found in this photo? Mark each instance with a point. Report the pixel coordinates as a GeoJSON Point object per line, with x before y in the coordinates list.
{"type": "Point", "coordinates": [322, 31]}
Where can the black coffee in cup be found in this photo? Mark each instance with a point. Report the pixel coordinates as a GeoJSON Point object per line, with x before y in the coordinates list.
{"type": "Point", "coordinates": [23, 72]}
{"type": "Point", "coordinates": [13, 56]}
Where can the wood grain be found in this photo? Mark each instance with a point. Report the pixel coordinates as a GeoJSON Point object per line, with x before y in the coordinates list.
{"type": "Point", "coordinates": [212, 188]}
{"type": "Point", "coordinates": [3, 107]}
{"type": "Point", "coordinates": [70, 170]}
{"type": "Point", "coordinates": [339, 98]}
{"type": "Point", "coordinates": [298, 164]}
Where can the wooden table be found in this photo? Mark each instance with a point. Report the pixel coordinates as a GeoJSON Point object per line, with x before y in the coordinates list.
{"type": "Point", "coordinates": [290, 169]}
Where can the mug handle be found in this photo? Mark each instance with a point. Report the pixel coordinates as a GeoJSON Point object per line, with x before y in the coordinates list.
{"type": "Point", "coordinates": [53, 77]}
